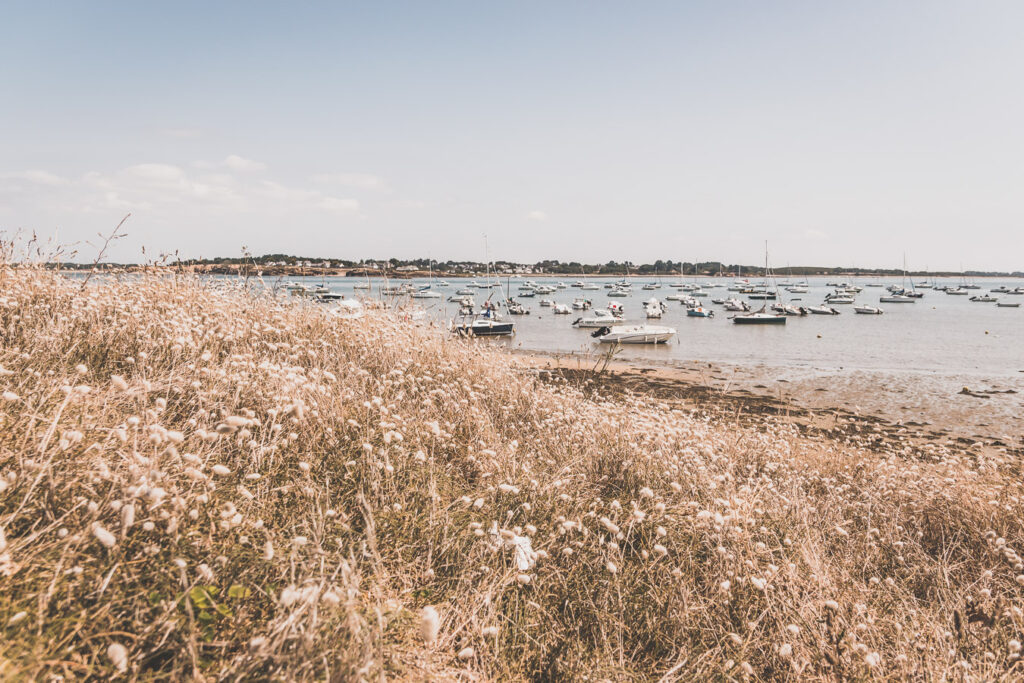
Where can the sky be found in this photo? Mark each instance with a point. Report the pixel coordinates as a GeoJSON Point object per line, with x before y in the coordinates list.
{"type": "Point", "coordinates": [842, 133]}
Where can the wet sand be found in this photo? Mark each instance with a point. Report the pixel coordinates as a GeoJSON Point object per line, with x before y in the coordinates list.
{"type": "Point", "coordinates": [908, 413]}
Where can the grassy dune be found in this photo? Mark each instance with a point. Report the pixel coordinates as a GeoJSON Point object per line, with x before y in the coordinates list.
{"type": "Point", "coordinates": [195, 480]}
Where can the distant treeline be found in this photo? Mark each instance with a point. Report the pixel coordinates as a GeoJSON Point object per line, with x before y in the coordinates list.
{"type": "Point", "coordinates": [548, 267]}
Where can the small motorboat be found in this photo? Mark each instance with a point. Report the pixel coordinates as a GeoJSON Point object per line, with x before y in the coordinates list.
{"type": "Point", "coordinates": [548, 303]}
{"type": "Point", "coordinates": [634, 334]}
{"type": "Point", "coordinates": [959, 291]}
{"type": "Point", "coordinates": [597, 319]}
{"type": "Point", "coordinates": [488, 324]}
{"type": "Point", "coordinates": [736, 305]}
{"type": "Point", "coordinates": [1008, 304]}
{"type": "Point", "coordinates": [761, 317]}
{"type": "Point", "coordinates": [897, 299]}
{"type": "Point", "coordinates": [581, 304]}
{"type": "Point", "coordinates": [690, 302]}
{"type": "Point", "coordinates": [516, 308]}
{"type": "Point", "coordinates": [700, 312]}
{"type": "Point", "coordinates": [616, 308]}
{"type": "Point", "coordinates": [822, 310]}
{"type": "Point", "coordinates": [868, 310]}
{"type": "Point", "coordinates": [618, 292]}
{"type": "Point", "coordinates": [787, 309]}
{"type": "Point", "coordinates": [561, 309]}
{"type": "Point", "coordinates": [985, 298]}
{"type": "Point", "coordinates": [590, 287]}
{"type": "Point", "coordinates": [653, 308]}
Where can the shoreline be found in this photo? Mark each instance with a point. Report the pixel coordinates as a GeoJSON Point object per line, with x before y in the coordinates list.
{"type": "Point", "coordinates": [746, 393]}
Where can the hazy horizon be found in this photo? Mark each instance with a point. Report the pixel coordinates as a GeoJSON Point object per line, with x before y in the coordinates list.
{"type": "Point", "coordinates": [845, 135]}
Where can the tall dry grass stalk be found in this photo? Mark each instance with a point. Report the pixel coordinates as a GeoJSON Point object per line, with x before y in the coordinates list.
{"type": "Point", "coordinates": [201, 480]}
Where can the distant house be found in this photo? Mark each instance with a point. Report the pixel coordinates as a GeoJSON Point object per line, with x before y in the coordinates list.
{"type": "Point", "coordinates": [406, 269]}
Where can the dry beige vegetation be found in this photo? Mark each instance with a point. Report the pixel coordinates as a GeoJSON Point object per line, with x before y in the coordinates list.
{"type": "Point", "coordinates": [199, 481]}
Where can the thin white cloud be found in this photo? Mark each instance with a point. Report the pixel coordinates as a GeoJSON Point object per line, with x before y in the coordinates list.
{"type": "Point", "coordinates": [812, 234]}
{"type": "Point", "coordinates": [336, 205]}
{"type": "Point", "coordinates": [167, 189]}
{"type": "Point", "coordinates": [36, 176]}
{"type": "Point", "coordinates": [539, 216]}
{"type": "Point", "coordinates": [359, 181]}
{"type": "Point", "coordinates": [237, 163]}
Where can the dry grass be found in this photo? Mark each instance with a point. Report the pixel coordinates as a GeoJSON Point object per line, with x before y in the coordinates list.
{"type": "Point", "coordinates": [197, 480]}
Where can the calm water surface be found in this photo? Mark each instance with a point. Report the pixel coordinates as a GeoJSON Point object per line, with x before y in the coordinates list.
{"type": "Point", "coordinates": [937, 334]}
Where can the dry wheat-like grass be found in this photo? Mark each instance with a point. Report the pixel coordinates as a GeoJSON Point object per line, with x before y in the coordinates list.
{"type": "Point", "coordinates": [198, 479]}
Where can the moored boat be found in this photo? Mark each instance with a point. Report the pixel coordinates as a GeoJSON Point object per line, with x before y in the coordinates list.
{"type": "Point", "coordinates": [634, 334]}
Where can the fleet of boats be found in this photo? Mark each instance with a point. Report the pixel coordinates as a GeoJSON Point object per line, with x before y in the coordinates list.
{"type": "Point", "coordinates": [609, 325]}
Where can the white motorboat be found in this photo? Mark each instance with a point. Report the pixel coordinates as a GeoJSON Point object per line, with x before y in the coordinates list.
{"type": "Point", "coordinates": [620, 293]}
{"type": "Point", "coordinates": [548, 303]}
{"type": "Point", "coordinates": [361, 285]}
{"type": "Point", "coordinates": [1008, 304]}
{"type": "Point", "coordinates": [560, 285]}
{"type": "Point", "coordinates": [561, 309]}
{"type": "Point", "coordinates": [425, 293]}
{"type": "Point", "coordinates": [465, 291]}
{"type": "Point", "coordinates": [581, 304]}
{"type": "Point", "coordinates": [789, 309]}
{"type": "Point", "coordinates": [868, 310]}
{"type": "Point", "coordinates": [839, 299]}
{"type": "Point", "coordinates": [761, 317]}
{"type": "Point", "coordinates": [822, 310]}
{"type": "Point", "coordinates": [654, 309]}
{"type": "Point", "coordinates": [634, 334]}
{"type": "Point", "coordinates": [897, 299]}
{"type": "Point", "coordinates": [516, 308]}
{"type": "Point", "coordinates": [985, 298]}
{"type": "Point", "coordinates": [590, 288]}
{"type": "Point", "coordinates": [597, 319]}
{"type": "Point", "coordinates": [616, 308]}
{"type": "Point", "coordinates": [700, 312]}
{"type": "Point", "coordinates": [736, 305]}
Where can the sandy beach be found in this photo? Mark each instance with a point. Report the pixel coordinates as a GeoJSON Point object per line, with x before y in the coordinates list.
{"type": "Point", "coordinates": [881, 411]}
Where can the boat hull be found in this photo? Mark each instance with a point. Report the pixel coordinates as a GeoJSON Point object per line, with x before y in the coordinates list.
{"type": "Point", "coordinates": [756, 320]}
{"type": "Point", "coordinates": [498, 329]}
